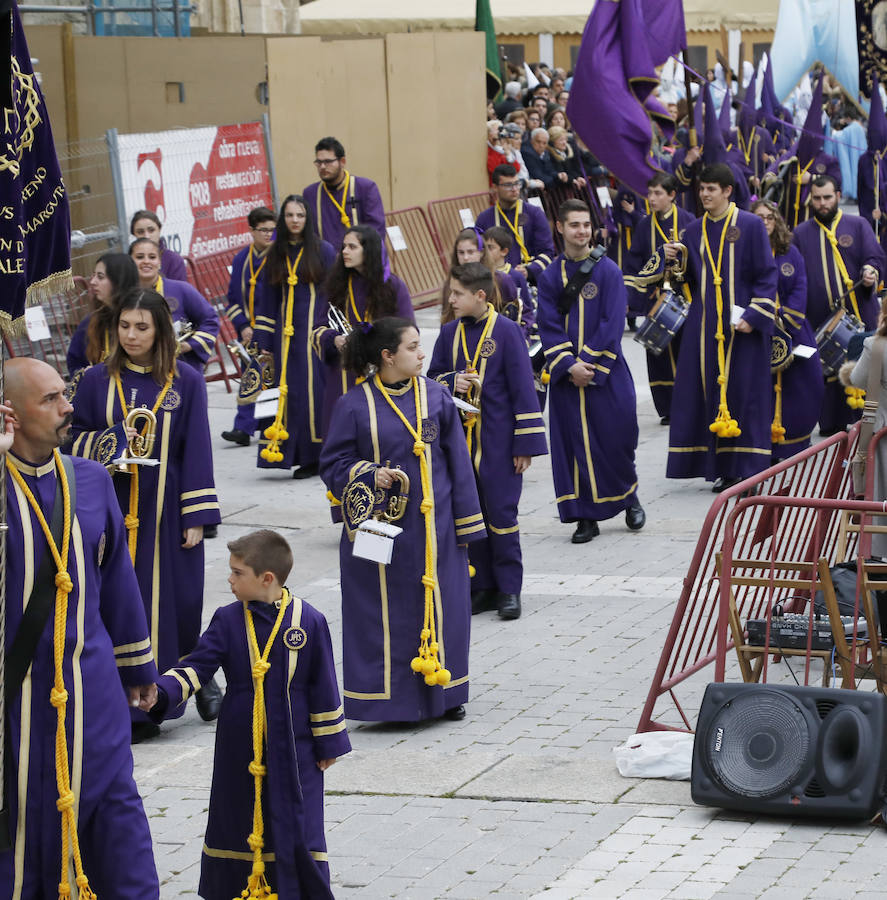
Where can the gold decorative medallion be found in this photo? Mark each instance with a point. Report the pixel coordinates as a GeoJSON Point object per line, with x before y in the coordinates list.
{"type": "Point", "coordinates": [787, 269]}
{"type": "Point", "coordinates": [295, 638]}
{"type": "Point", "coordinates": [589, 291]}
{"type": "Point", "coordinates": [488, 348]}
{"type": "Point", "coordinates": [172, 400]}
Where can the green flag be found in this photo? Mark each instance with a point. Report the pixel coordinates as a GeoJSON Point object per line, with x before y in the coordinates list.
{"type": "Point", "coordinates": [483, 21]}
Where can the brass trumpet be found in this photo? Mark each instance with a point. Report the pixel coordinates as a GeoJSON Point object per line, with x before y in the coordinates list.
{"type": "Point", "coordinates": [338, 321]}
{"type": "Point", "coordinates": [398, 495]}
{"type": "Point", "coordinates": [141, 445]}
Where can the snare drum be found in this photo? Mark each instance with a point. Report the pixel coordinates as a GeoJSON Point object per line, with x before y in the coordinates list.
{"type": "Point", "coordinates": [663, 322]}
{"type": "Point", "coordinates": [833, 339]}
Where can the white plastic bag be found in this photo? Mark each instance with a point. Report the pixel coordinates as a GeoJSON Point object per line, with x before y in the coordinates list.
{"type": "Point", "coordinates": [656, 754]}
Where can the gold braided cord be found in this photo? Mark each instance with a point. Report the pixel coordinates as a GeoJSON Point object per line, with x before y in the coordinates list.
{"type": "Point", "coordinates": [131, 520]}
{"type": "Point", "coordinates": [343, 216]}
{"type": "Point", "coordinates": [253, 278]}
{"type": "Point", "coordinates": [777, 429]}
{"type": "Point", "coordinates": [257, 887]}
{"type": "Point", "coordinates": [357, 316]}
{"type": "Point", "coordinates": [58, 696]}
{"type": "Point", "coordinates": [515, 229]}
{"type": "Point", "coordinates": [745, 146]}
{"type": "Point", "coordinates": [426, 662]}
{"type": "Point", "coordinates": [471, 366]}
{"type": "Point", "coordinates": [798, 187]}
{"type": "Point", "coordinates": [674, 226]}
{"type": "Point", "coordinates": [724, 425]}
{"type": "Point", "coordinates": [831, 234]}
{"type": "Point", "coordinates": [276, 432]}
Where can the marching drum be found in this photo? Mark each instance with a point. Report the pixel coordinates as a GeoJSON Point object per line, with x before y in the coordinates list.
{"type": "Point", "coordinates": [663, 322]}
{"type": "Point", "coordinates": [833, 339]}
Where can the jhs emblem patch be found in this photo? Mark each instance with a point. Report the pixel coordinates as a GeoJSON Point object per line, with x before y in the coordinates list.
{"type": "Point", "coordinates": [487, 348]}
{"type": "Point", "coordinates": [820, 168]}
{"type": "Point", "coordinates": [430, 431]}
{"type": "Point", "coordinates": [295, 638]}
{"type": "Point", "coordinates": [732, 234]}
{"type": "Point", "coordinates": [589, 290]}
{"type": "Point", "coordinates": [171, 401]}
{"type": "Point", "coordinates": [787, 269]}
{"type": "Point", "coordinates": [845, 240]}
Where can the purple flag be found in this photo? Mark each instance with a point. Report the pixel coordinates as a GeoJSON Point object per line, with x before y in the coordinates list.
{"type": "Point", "coordinates": [877, 130]}
{"type": "Point", "coordinates": [611, 105]}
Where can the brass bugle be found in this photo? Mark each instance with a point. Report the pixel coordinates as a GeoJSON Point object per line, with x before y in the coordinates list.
{"type": "Point", "coordinates": [141, 445]}
{"type": "Point", "coordinates": [338, 321]}
{"type": "Point", "coordinates": [677, 266]}
{"type": "Point", "coordinates": [398, 495]}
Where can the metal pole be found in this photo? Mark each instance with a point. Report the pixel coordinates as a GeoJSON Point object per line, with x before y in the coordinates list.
{"type": "Point", "coordinates": [155, 30]}
{"type": "Point", "coordinates": [117, 180]}
{"type": "Point", "coordinates": [269, 157]}
{"type": "Point", "coordinates": [4, 810]}
{"type": "Point", "coordinates": [177, 22]}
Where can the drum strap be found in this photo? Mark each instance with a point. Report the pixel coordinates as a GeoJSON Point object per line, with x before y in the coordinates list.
{"type": "Point", "coordinates": [580, 276]}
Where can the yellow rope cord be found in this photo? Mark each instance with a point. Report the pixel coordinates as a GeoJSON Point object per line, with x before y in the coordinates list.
{"type": "Point", "coordinates": [471, 362]}
{"type": "Point", "coordinates": [158, 286]}
{"type": "Point", "coordinates": [427, 661]}
{"type": "Point", "coordinates": [257, 887]}
{"type": "Point", "coordinates": [276, 432]}
{"type": "Point", "coordinates": [343, 216]}
{"type": "Point", "coordinates": [777, 430]}
{"type": "Point", "coordinates": [832, 237]}
{"type": "Point", "coordinates": [58, 696]}
{"type": "Point", "coordinates": [798, 187]}
{"type": "Point", "coordinates": [253, 278]}
{"type": "Point", "coordinates": [745, 146]}
{"type": "Point", "coordinates": [674, 227]}
{"type": "Point", "coordinates": [357, 317]}
{"type": "Point", "coordinates": [723, 426]}
{"type": "Point", "coordinates": [131, 520]}
{"type": "Point", "coordinates": [515, 229]}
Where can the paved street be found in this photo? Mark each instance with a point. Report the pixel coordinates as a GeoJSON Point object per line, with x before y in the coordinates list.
{"type": "Point", "coordinates": [522, 799]}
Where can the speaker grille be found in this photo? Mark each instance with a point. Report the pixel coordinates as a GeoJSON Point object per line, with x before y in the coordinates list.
{"type": "Point", "coordinates": [758, 744]}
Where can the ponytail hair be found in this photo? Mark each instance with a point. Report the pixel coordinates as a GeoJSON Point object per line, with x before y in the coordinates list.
{"type": "Point", "coordinates": [363, 348]}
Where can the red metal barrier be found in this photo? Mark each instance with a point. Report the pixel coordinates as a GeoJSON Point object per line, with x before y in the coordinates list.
{"type": "Point", "coordinates": [447, 220]}
{"type": "Point", "coordinates": [416, 259]}
{"type": "Point", "coordinates": [800, 531]}
{"type": "Point", "coordinates": [211, 275]}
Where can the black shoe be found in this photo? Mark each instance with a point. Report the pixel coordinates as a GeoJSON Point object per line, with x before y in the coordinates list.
{"type": "Point", "coordinates": [632, 323]}
{"type": "Point", "coordinates": [508, 606]}
{"type": "Point", "coordinates": [665, 420]}
{"type": "Point", "coordinates": [482, 601]}
{"type": "Point", "coordinates": [723, 483]}
{"type": "Point", "coordinates": [586, 529]}
{"type": "Point", "coordinates": [305, 472]}
{"type": "Point", "coordinates": [456, 714]}
{"type": "Point", "coordinates": [635, 517]}
{"type": "Point", "coordinates": [236, 436]}
{"type": "Point", "coordinates": [210, 531]}
{"type": "Point", "coordinates": [209, 700]}
{"type": "Point", "coordinates": [143, 731]}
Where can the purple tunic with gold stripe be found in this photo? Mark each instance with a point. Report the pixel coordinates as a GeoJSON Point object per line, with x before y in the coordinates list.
{"type": "Point", "coordinates": [306, 724]}
{"type": "Point", "coordinates": [106, 643]}
{"type": "Point", "coordinates": [187, 304]}
{"type": "Point", "coordinates": [530, 224]}
{"type": "Point", "coordinates": [383, 606]}
{"type": "Point", "coordinates": [363, 206]}
{"type": "Point", "coordinates": [594, 429]}
{"type": "Point", "coordinates": [509, 424]}
{"type": "Point", "coordinates": [748, 272]}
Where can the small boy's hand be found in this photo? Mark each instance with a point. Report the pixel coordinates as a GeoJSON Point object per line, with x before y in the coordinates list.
{"type": "Point", "coordinates": [324, 764]}
{"type": "Point", "coordinates": [143, 696]}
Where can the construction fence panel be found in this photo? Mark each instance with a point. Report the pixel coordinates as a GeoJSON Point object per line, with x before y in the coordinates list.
{"type": "Point", "coordinates": [451, 214]}
{"type": "Point", "coordinates": [413, 255]}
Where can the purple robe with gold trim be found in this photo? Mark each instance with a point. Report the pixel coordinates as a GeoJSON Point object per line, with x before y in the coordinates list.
{"type": "Point", "coordinates": [530, 223]}
{"type": "Point", "coordinates": [871, 192]}
{"type": "Point", "coordinates": [177, 494]}
{"type": "Point", "coordinates": [363, 206]}
{"type": "Point", "coordinates": [383, 606]}
{"type": "Point", "coordinates": [305, 723]}
{"type": "Point", "coordinates": [594, 429]}
{"type": "Point", "coordinates": [106, 643]}
{"type": "Point", "coordinates": [187, 304]}
{"type": "Point", "coordinates": [749, 281]}
{"type": "Point", "coordinates": [509, 424]}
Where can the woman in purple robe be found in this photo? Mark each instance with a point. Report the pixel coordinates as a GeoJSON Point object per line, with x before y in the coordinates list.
{"type": "Point", "coordinates": [405, 625]}
{"type": "Point", "coordinates": [797, 389]}
{"type": "Point", "coordinates": [286, 310]}
{"type": "Point", "coordinates": [114, 274]}
{"type": "Point", "coordinates": [195, 322]}
{"type": "Point", "coordinates": [361, 290]}
{"type": "Point", "coordinates": [167, 504]}
{"type": "Point", "coordinates": [145, 224]}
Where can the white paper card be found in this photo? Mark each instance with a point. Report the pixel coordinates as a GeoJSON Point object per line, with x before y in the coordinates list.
{"type": "Point", "coordinates": [464, 405]}
{"type": "Point", "coordinates": [374, 540]}
{"type": "Point", "coordinates": [467, 217]}
{"type": "Point", "coordinates": [603, 195]}
{"type": "Point", "coordinates": [736, 314]}
{"type": "Point", "coordinates": [535, 201]}
{"type": "Point", "coordinates": [136, 461]}
{"type": "Point", "coordinates": [395, 235]}
{"type": "Point", "coordinates": [266, 404]}
{"type": "Point", "coordinates": [36, 324]}
{"type": "Point", "coordinates": [803, 351]}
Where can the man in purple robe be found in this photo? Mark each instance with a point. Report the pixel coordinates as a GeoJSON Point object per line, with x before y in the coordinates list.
{"type": "Point", "coordinates": [107, 662]}
{"type": "Point", "coordinates": [666, 223]}
{"type": "Point", "coordinates": [752, 140]}
{"type": "Point", "coordinates": [839, 252]}
{"type": "Point", "coordinates": [722, 405]}
{"type": "Point", "coordinates": [628, 210]}
{"type": "Point", "coordinates": [340, 200]}
{"type": "Point", "coordinates": [533, 247]}
{"type": "Point", "coordinates": [594, 425]}
{"type": "Point", "coordinates": [247, 268]}
{"type": "Point", "coordinates": [484, 354]}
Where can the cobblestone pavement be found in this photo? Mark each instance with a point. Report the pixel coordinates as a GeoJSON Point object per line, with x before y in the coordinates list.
{"type": "Point", "coordinates": [521, 799]}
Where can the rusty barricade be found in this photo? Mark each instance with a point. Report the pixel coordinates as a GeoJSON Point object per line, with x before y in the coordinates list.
{"type": "Point", "coordinates": [448, 219]}
{"type": "Point", "coordinates": [804, 522]}
{"type": "Point", "coordinates": [414, 255]}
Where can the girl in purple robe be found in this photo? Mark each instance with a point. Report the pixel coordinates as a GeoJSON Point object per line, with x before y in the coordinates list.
{"type": "Point", "coordinates": [797, 389]}
{"type": "Point", "coordinates": [114, 274]}
{"type": "Point", "coordinates": [286, 310]}
{"type": "Point", "coordinates": [405, 625]}
{"type": "Point", "coordinates": [166, 505]}
{"type": "Point", "coordinates": [360, 289]}
{"type": "Point", "coordinates": [145, 224]}
{"type": "Point", "coordinates": [195, 322]}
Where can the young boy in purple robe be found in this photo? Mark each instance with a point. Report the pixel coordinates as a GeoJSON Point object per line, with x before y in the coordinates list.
{"type": "Point", "coordinates": [594, 425]}
{"type": "Point", "coordinates": [498, 242]}
{"type": "Point", "coordinates": [483, 355]}
{"type": "Point", "coordinates": [277, 656]}
{"type": "Point", "coordinates": [341, 200]}
{"type": "Point", "coordinates": [247, 268]}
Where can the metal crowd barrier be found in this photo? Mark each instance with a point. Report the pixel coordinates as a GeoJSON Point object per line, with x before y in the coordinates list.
{"type": "Point", "coordinates": [414, 255]}
{"type": "Point", "coordinates": [450, 215]}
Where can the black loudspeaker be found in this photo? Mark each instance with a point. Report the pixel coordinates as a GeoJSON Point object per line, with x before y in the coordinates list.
{"type": "Point", "coordinates": [799, 751]}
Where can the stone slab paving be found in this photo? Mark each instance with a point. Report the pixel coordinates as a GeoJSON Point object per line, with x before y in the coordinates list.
{"type": "Point", "coordinates": [521, 799]}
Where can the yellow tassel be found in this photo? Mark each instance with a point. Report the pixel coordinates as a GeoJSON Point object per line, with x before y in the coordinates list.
{"type": "Point", "coordinates": [545, 377]}
{"type": "Point", "coordinates": [777, 432]}
{"type": "Point", "coordinates": [855, 397]}
{"type": "Point", "coordinates": [471, 571]}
